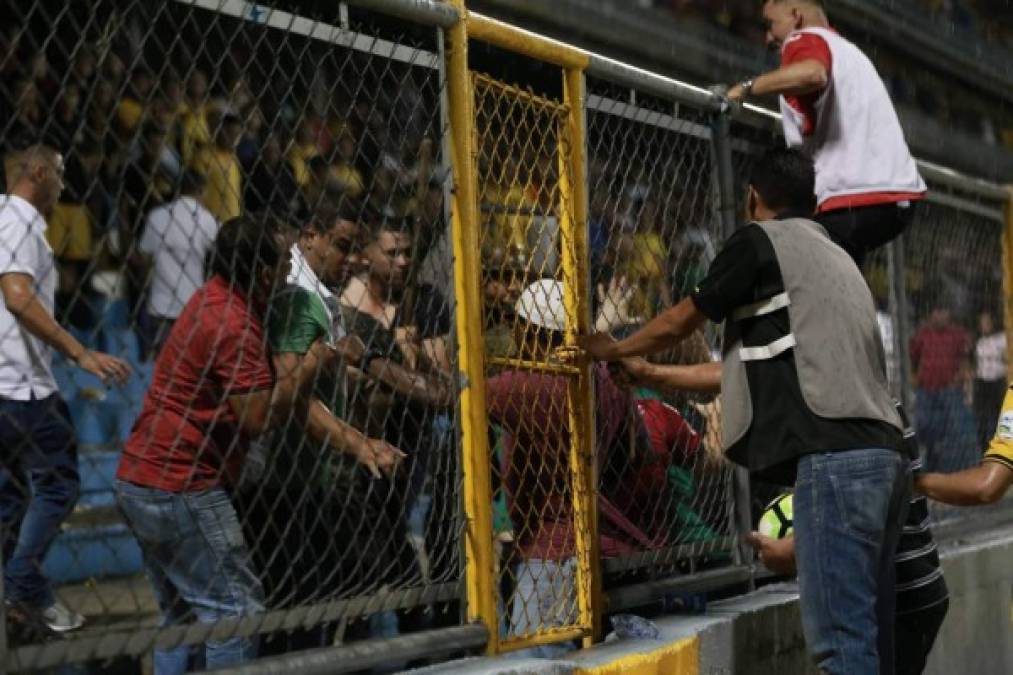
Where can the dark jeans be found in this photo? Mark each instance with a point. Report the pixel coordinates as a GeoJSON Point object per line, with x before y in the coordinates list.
{"type": "Point", "coordinates": [153, 334]}
{"type": "Point", "coordinates": [849, 510]}
{"type": "Point", "coordinates": [39, 485]}
{"type": "Point", "coordinates": [914, 635]}
{"type": "Point", "coordinates": [862, 229]}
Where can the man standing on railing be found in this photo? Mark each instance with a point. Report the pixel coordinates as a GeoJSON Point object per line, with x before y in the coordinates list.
{"type": "Point", "coordinates": [806, 402]}
{"type": "Point", "coordinates": [835, 107]}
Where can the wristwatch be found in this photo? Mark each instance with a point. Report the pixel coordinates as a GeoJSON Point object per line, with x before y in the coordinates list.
{"type": "Point", "coordinates": [747, 87]}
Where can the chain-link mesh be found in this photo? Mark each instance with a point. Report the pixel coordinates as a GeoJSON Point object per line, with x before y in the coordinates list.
{"type": "Point", "coordinates": [261, 495]}
{"type": "Point", "coordinates": [956, 342]}
{"type": "Point", "coordinates": [654, 228]}
{"type": "Point", "coordinates": [521, 139]}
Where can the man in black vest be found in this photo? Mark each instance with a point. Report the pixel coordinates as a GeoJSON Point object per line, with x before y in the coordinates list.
{"type": "Point", "coordinates": [806, 404]}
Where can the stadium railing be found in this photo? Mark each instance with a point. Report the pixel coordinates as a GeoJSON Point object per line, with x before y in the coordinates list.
{"type": "Point", "coordinates": [510, 159]}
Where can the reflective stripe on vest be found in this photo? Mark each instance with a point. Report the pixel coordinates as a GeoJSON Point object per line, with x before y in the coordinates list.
{"type": "Point", "coordinates": [776, 347]}
{"type": "Point", "coordinates": [761, 307]}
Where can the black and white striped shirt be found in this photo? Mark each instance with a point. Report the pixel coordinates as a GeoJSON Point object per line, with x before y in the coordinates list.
{"type": "Point", "coordinates": [920, 582]}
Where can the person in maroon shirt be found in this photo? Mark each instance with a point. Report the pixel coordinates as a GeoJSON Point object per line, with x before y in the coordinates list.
{"type": "Point", "coordinates": [531, 407]}
{"type": "Point", "coordinates": [212, 392]}
{"type": "Point", "coordinates": [940, 356]}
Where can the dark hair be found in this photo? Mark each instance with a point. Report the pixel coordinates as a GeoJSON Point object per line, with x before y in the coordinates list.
{"type": "Point", "coordinates": [785, 179]}
{"type": "Point", "coordinates": [244, 248]}
{"type": "Point", "coordinates": [191, 182]}
{"type": "Point", "coordinates": [330, 210]}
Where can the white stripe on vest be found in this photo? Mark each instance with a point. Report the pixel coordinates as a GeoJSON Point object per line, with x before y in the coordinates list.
{"type": "Point", "coordinates": [762, 307]}
{"type": "Point", "coordinates": [769, 351]}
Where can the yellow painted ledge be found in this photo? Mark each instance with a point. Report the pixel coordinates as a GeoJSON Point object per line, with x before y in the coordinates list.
{"type": "Point", "coordinates": [677, 658]}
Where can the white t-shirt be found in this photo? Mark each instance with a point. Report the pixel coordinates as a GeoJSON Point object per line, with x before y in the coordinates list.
{"type": "Point", "coordinates": [177, 236]}
{"type": "Point", "coordinates": [25, 360]}
{"type": "Point", "coordinates": [990, 357]}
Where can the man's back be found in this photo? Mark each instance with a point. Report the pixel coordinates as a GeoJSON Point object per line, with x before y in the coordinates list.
{"type": "Point", "coordinates": [177, 236]}
{"type": "Point", "coordinates": [187, 437]}
{"type": "Point", "coordinates": [532, 409]}
{"type": "Point", "coordinates": [850, 128]}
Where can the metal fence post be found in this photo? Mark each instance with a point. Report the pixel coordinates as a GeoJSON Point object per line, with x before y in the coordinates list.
{"type": "Point", "coordinates": [479, 552]}
{"type": "Point", "coordinates": [575, 264]}
{"type": "Point", "coordinates": [721, 142]}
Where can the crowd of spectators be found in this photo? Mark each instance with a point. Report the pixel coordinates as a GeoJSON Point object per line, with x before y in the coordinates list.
{"type": "Point", "coordinates": [161, 153]}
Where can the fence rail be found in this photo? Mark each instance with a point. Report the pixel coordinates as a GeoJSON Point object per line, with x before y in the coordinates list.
{"type": "Point", "coordinates": [466, 197]}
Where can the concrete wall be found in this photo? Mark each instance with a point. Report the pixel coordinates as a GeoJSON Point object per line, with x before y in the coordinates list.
{"type": "Point", "coordinates": [760, 633]}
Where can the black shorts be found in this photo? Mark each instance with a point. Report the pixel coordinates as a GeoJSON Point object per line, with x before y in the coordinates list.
{"type": "Point", "coordinates": [863, 229]}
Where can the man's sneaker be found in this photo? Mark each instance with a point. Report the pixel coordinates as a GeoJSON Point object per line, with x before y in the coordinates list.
{"type": "Point", "coordinates": [25, 625]}
{"type": "Point", "coordinates": [61, 618]}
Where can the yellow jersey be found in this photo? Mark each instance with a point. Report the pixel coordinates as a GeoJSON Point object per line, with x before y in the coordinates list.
{"type": "Point", "coordinates": [1001, 448]}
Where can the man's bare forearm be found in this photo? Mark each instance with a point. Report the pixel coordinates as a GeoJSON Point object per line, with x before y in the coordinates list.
{"type": "Point", "coordinates": [704, 378]}
{"type": "Point", "coordinates": [324, 427]}
{"type": "Point", "coordinates": [982, 484]}
{"type": "Point", "coordinates": [663, 331]}
{"type": "Point", "coordinates": [22, 302]}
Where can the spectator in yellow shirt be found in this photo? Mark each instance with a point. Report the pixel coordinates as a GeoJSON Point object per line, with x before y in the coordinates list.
{"type": "Point", "coordinates": [195, 132]}
{"type": "Point", "coordinates": [133, 104]}
{"type": "Point", "coordinates": [223, 192]}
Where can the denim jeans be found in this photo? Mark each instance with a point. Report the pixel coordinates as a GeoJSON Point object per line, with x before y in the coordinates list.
{"type": "Point", "coordinates": [39, 485]}
{"type": "Point", "coordinates": [849, 510]}
{"type": "Point", "coordinates": [946, 430]}
{"type": "Point", "coordinates": [198, 562]}
{"type": "Point", "coordinates": [545, 596]}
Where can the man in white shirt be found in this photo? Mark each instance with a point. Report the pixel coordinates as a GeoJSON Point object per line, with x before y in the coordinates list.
{"type": "Point", "coordinates": [836, 109]}
{"type": "Point", "coordinates": [38, 456]}
{"type": "Point", "coordinates": [177, 237]}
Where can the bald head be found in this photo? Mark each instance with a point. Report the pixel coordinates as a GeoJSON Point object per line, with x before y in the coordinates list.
{"type": "Point", "coordinates": [782, 17]}
{"type": "Point", "coordinates": [36, 175]}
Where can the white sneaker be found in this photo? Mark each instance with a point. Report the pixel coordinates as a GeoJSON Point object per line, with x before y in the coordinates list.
{"type": "Point", "coordinates": [61, 618]}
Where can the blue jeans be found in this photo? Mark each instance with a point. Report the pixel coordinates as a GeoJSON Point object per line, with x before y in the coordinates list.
{"type": "Point", "coordinates": [849, 510]}
{"type": "Point", "coordinates": [198, 562]}
{"type": "Point", "coordinates": [946, 430]}
{"type": "Point", "coordinates": [39, 485]}
{"type": "Point", "coordinates": [545, 596]}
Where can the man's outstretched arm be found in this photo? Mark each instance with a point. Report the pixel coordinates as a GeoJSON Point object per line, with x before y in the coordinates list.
{"type": "Point", "coordinates": [982, 484]}
{"type": "Point", "coordinates": [703, 378]}
{"type": "Point", "coordinates": [670, 327]}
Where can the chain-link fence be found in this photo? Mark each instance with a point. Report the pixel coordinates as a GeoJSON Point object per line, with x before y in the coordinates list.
{"type": "Point", "coordinates": [654, 226]}
{"type": "Point", "coordinates": [284, 465]}
{"type": "Point", "coordinates": [342, 521]}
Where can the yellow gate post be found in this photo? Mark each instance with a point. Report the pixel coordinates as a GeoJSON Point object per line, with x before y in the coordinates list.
{"type": "Point", "coordinates": [575, 261]}
{"type": "Point", "coordinates": [479, 552]}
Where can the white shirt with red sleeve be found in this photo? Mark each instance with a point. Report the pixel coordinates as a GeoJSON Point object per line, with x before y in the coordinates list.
{"type": "Point", "coordinates": [849, 128]}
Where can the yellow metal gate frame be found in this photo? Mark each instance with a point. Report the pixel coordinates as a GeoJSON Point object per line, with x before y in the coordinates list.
{"type": "Point", "coordinates": [479, 550]}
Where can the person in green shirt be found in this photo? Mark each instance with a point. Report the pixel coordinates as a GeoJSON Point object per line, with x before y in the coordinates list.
{"type": "Point", "coordinates": [292, 506]}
